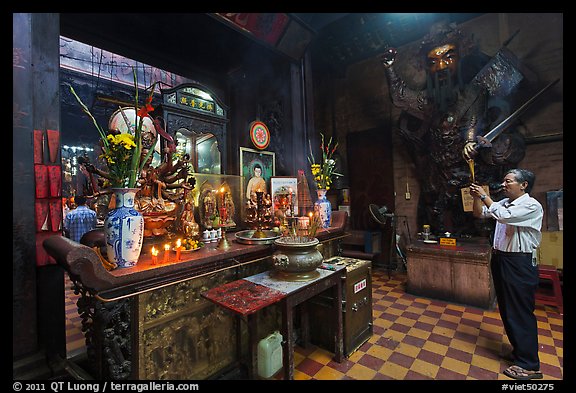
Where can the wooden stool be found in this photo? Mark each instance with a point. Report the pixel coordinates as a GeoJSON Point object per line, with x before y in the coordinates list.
{"type": "Point", "coordinates": [549, 272]}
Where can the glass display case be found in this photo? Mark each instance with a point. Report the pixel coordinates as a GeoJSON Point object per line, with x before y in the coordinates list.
{"type": "Point", "coordinates": [202, 149]}
{"type": "Point", "coordinates": [217, 201]}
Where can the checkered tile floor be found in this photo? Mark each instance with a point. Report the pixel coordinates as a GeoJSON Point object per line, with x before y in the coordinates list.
{"type": "Point", "coordinates": [418, 338]}
{"type": "Point", "coordinates": [414, 338]}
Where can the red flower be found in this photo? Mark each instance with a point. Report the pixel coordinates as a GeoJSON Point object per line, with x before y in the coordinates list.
{"type": "Point", "coordinates": [143, 112]}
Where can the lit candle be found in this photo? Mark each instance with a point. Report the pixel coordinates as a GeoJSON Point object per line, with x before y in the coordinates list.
{"type": "Point", "coordinates": [154, 252]}
{"type": "Point", "coordinates": [223, 216]}
{"type": "Point", "coordinates": [178, 249]}
{"type": "Point", "coordinates": [166, 252]}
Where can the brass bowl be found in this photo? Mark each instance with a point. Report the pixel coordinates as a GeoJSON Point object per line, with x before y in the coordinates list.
{"type": "Point", "coordinates": [246, 237]}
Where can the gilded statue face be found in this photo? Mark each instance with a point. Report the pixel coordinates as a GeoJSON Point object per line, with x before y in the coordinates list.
{"type": "Point", "coordinates": [441, 58]}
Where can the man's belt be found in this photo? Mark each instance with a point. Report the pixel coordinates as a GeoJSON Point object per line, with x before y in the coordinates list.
{"type": "Point", "coordinates": [509, 253]}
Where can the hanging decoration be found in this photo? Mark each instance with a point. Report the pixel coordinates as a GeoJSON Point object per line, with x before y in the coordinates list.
{"type": "Point", "coordinates": [259, 134]}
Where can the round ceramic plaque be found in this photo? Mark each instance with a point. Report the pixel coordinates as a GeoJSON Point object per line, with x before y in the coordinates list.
{"type": "Point", "coordinates": [259, 134]}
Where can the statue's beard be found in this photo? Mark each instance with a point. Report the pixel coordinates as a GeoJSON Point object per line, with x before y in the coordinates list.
{"type": "Point", "coordinates": [441, 90]}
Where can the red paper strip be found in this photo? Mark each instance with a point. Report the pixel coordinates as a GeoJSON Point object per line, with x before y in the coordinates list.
{"type": "Point", "coordinates": [42, 183]}
{"type": "Point", "coordinates": [38, 147]}
{"type": "Point", "coordinates": [42, 209]}
{"type": "Point", "coordinates": [56, 214]}
{"type": "Point", "coordinates": [53, 144]}
{"type": "Point", "coordinates": [55, 179]}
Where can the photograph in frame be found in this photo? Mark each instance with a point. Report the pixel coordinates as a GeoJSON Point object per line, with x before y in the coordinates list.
{"type": "Point", "coordinates": [284, 193]}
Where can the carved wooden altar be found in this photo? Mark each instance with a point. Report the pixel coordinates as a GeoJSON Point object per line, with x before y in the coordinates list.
{"type": "Point", "coordinates": [150, 322]}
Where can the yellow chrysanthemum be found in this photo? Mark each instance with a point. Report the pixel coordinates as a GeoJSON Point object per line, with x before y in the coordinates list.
{"type": "Point", "coordinates": [124, 140]}
{"type": "Point", "coordinates": [122, 152]}
{"type": "Point", "coordinates": [322, 172]}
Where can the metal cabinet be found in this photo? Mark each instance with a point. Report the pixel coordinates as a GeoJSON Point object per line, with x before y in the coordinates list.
{"type": "Point", "coordinates": [356, 308]}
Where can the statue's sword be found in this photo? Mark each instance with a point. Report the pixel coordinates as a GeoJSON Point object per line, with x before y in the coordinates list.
{"type": "Point", "coordinates": [484, 141]}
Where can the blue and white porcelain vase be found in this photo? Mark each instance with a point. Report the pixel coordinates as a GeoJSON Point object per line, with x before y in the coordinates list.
{"type": "Point", "coordinates": [324, 209]}
{"type": "Point", "coordinates": [124, 229]}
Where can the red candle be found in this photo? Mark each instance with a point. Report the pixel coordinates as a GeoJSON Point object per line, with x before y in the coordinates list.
{"type": "Point", "coordinates": [166, 252]}
{"type": "Point", "coordinates": [154, 256]}
{"type": "Point", "coordinates": [223, 212]}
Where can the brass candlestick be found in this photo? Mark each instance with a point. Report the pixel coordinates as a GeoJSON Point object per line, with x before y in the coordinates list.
{"type": "Point", "coordinates": [223, 243]}
{"type": "Point", "coordinates": [259, 233]}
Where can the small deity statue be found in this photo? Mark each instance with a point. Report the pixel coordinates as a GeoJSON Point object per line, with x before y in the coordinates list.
{"type": "Point", "coordinates": [230, 209]}
{"type": "Point", "coordinates": [251, 208]}
{"type": "Point", "coordinates": [259, 215]}
{"type": "Point", "coordinates": [210, 209]}
{"type": "Point", "coordinates": [161, 193]}
{"type": "Point", "coordinates": [150, 195]}
{"type": "Point", "coordinates": [157, 185]}
{"type": "Point", "coordinates": [190, 227]}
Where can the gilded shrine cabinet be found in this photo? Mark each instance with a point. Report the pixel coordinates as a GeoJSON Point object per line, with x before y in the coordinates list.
{"type": "Point", "coordinates": [196, 119]}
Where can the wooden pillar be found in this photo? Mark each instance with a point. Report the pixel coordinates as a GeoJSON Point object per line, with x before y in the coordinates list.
{"type": "Point", "coordinates": [38, 327]}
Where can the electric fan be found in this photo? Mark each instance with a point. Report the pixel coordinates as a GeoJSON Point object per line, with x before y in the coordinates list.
{"type": "Point", "coordinates": [380, 215]}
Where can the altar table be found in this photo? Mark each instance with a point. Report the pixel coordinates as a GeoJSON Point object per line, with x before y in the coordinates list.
{"type": "Point", "coordinates": [246, 296]}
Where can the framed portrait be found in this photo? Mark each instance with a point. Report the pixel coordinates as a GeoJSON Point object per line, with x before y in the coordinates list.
{"type": "Point", "coordinates": [256, 169]}
{"type": "Point", "coordinates": [284, 194]}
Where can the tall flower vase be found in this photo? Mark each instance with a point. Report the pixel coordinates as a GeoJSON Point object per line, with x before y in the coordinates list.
{"type": "Point", "coordinates": [124, 229]}
{"type": "Point", "coordinates": [324, 209]}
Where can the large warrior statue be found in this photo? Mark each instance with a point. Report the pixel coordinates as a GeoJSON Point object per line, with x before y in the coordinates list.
{"type": "Point", "coordinates": [466, 94]}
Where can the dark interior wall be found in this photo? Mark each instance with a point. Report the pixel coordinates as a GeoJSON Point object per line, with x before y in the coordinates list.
{"type": "Point", "coordinates": [262, 91]}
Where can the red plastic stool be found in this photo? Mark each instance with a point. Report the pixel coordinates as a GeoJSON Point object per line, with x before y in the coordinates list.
{"type": "Point", "coordinates": [549, 272]}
